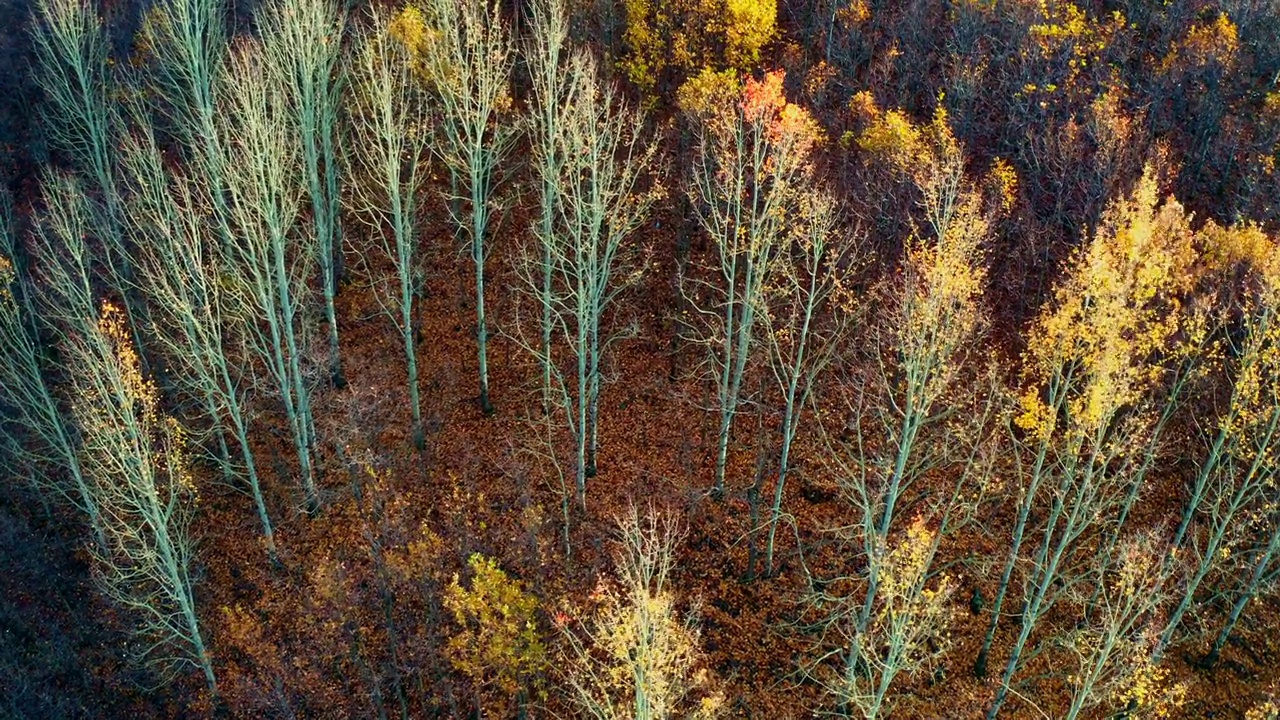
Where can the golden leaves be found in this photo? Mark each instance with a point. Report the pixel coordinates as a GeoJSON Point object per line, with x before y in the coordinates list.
{"type": "Point", "coordinates": [644, 659]}
{"type": "Point", "coordinates": [1003, 180]}
{"type": "Point", "coordinates": [1151, 688]}
{"type": "Point", "coordinates": [499, 641]}
{"type": "Point", "coordinates": [1095, 350]}
{"type": "Point", "coordinates": [409, 28]}
{"type": "Point", "coordinates": [7, 276]}
{"type": "Point", "coordinates": [704, 94]}
{"type": "Point", "coordinates": [890, 134]}
{"type": "Point", "coordinates": [114, 329]}
{"type": "Point", "coordinates": [1210, 43]}
{"type": "Point", "coordinates": [751, 25]}
{"type": "Point", "coordinates": [684, 36]}
{"type": "Point", "coordinates": [853, 14]}
{"type": "Point", "coordinates": [907, 563]}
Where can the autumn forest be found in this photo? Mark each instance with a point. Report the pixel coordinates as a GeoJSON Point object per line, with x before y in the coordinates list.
{"type": "Point", "coordinates": [640, 359]}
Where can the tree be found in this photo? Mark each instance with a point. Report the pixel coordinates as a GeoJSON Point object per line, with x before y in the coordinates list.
{"type": "Point", "coordinates": [918, 430]}
{"type": "Point", "coordinates": [1096, 359]}
{"type": "Point", "coordinates": [935, 318]}
{"type": "Point", "coordinates": [1232, 495]}
{"type": "Point", "coordinates": [64, 298]}
{"type": "Point", "coordinates": [1111, 648]}
{"type": "Point", "coordinates": [391, 130]}
{"type": "Point", "coordinates": [750, 168]}
{"type": "Point", "coordinates": [302, 46]}
{"type": "Point", "coordinates": [137, 459]}
{"type": "Point", "coordinates": [605, 157]}
{"type": "Point", "coordinates": [273, 259]}
{"type": "Point", "coordinates": [551, 101]}
{"type": "Point", "coordinates": [804, 324]}
{"type": "Point", "coordinates": [907, 631]}
{"type": "Point", "coordinates": [182, 266]}
{"type": "Point", "coordinates": [466, 55]}
{"type": "Point", "coordinates": [187, 40]}
{"type": "Point", "coordinates": [37, 427]}
{"type": "Point", "coordinates": [499, 643]}
{"type": "Point", "coordinates": [637, 658]}
{"type": "Point", "coordinates": [71, 48]}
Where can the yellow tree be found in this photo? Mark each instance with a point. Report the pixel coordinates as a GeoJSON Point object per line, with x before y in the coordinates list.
{"type": "Point", "coordinates": [498, 646]}
{"type": "Point", "coordinates": [638, 658]}
{"type": "Point", "coordinates": [1092, 406]}
{"type": "Point", "coordinates": [666, 42]}
{"type": "Point", "coordinates": [137, 460]}
{"type": "Point", "coordinates": [911, 415]}
{"type": "Point", "coordinates": [1231, 502]}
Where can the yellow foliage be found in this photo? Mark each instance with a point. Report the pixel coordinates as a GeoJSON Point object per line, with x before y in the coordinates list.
{"type": "Point", "coordinates": [863, 107]}
{"type": "Point", "coordinates": [1225, 248]}
{"type": "Point", "coordinates": [1150, 689]}
{"type": "Point", "coordinates": [942, 312]}
{"type": "Point", "coordinates": [1070, 41]}
{"type": "Point", "coordinates": [1004, 183]}
{"type": "Point", "coordinates": [910, 627]}
{"type": "Point", "coordinates": [7, 275]}
{"type": "Point", "coordinates": [907, 563]}
{"type": "Point", "coordinates": [708, 92]}
{"type": "Point", "coordinates": [750, 26]}
{"type": "Point", "coordinates": [1093, 352]}
{"type": "Point", "coordinates": [498, 642]}
{"type": "Point", "coordinates": [1253, 402]}
{"type": "Point", "coordinates": [681, 37]}
{"type": "Point", "coordinates": [1063, 20]}
{"type": "Point", "coordinates": [1216, 42]}
{"type": "Point", "coordinates": [141, 391]}
{"type": "Point", "coordinates": [409, 28]}
{"type": "Point", "coordinates": [855, 13]}
{"type": "Point", "coordinates": [1269, 708]}
{"type": "Point", "coordinates": [644, 658]}
{"type": "Point", "coordinates": [890, 134]}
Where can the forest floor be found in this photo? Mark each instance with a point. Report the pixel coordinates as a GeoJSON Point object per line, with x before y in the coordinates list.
{"type": "Point", "coordinates": [483, 485]}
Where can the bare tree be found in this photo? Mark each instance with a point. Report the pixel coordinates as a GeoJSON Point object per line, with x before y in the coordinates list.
{"type": "Point", "coordinates": [137, 459]}
{"type": "Point", "coordinates": [272, 261]}
{"type": "Point", "coordinates": [71, 47]}
{"type": "Point", "coordinates": [181, 268]}
{"type": "Point", "coordinates": [466, 55]}
{"type": "Point", "coordinates": [392, 147]}
{"type": "Point", "coordinates": [188, 41]}
{"type": "Point", "coordinates": [802, 327]}
{"type": "Point", "coordinates": [605, 156]}
{"type": "Point", "coordinates": [546, 54]}
{"type": "Point", "coordinates": [36, 425]}
{"type": "Point", "coordinates": [302, 47]}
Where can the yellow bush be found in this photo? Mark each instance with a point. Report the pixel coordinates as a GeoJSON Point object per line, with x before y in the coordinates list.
{"type": "Point", "coordinates": [498, 643]}
{"type": "Point", "coordinates": [668, 41]}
